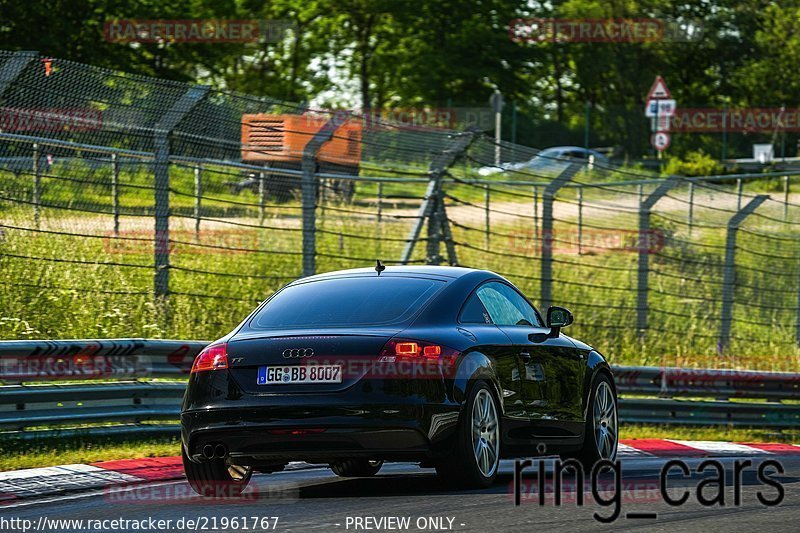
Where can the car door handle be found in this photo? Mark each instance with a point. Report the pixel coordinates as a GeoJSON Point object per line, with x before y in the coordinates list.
{"type": "Point", "coordinates": [526, 356]}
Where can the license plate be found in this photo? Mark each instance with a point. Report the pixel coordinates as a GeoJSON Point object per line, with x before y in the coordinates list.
{"type": "Point", "coordinates": [288, 375]}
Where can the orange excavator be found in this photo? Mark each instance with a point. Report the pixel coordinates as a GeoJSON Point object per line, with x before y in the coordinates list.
{"type": "Point", "coordinates": [276, 142]}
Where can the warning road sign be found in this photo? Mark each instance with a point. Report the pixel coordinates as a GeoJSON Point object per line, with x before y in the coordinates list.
{"type": "Point", "coordinates": [659, 90]}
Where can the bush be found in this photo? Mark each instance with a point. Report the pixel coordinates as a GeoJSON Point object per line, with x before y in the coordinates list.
{"type": "Point", "coordinates": [695, 164]}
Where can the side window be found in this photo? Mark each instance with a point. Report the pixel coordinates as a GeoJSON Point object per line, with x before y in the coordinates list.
{"type": "Point", "coordinates": [474, 312]}
{"type": "Point", "coordinates": [505, 306]}
{"type": "Point", "coordinates": [575, 154]}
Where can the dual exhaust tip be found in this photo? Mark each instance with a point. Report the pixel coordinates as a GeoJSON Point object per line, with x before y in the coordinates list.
{"type": "Point", "coordinates": [215, 451]}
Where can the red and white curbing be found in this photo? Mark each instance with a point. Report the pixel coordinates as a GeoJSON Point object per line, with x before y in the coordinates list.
{"type": "Point", "coordinates": [38, 482]}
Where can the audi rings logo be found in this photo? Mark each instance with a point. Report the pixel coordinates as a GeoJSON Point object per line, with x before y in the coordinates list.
{"type": "Point", "coordinates": [298, 352]}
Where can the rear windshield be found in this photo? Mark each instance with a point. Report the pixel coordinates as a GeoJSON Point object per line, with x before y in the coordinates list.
{"type": "Point", "coordinates": [360, 301]}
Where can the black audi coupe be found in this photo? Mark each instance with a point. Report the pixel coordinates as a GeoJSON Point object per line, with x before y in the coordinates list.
{"type": "Point", "coordinates": [449, 367]}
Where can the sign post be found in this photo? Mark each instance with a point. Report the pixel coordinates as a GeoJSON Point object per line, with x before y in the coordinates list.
{"type": "Point", "coordinates": [660, 107]}
{"type": "Point", "coordinates": [496, 101]}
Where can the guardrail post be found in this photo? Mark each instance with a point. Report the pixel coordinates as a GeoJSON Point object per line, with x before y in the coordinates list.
{"type": "Point", "coordinates": [163, 129]}
{"type": "Point", "coordinates": [309, 182]}
{"type": "Point", "coordinates": [548, 198]}
{"type": "Point", "coordinates": [643, 271]}
{"type": "Point", "coordinates": [37, 186]}
{"type": "Point", "coordinates": [198, 194]}
{"type": "Point", "coordinates": [115, 191]}
{"type": "Point", "coordinates": [729, 269]}
{"type": "Point", "coordinates": [432, 208]}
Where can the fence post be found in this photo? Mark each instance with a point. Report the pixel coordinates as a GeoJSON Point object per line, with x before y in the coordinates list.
{"type": "Point", "coordinates": [37, 185]}
{"type": "Point", "coordinates": [536, 212]}
{"type": "Point", "coordinates": [378, 226]}
{"type": "Point", "coordinates": [690, 216]}
{"type": "Point", "coordinates": [380, 200]}
{"type": "Point", "coordinates": [797, 318]}
{"type": "Point", "coordinates": [162, 131]}
{"type": "Point", "coordinates": [643, 272]}
{"type": "Point", "coordinates": [580, 219]}
{"type": "Point", "coordinates": [198, 193]}
{"type": "Point", "coordinates": [115, 191]}
{"type": "Point", "coordinates": [161, 241]}
{"type": "Point", "coordinates": [486, 200]}
{"type": "Point", "coordinates": [738, 194]}
{"type": "Point", "coordinates": [432, 208]}
{"type": "Point", "coordinates": [435, 228]}
{"type": "Point", "coordinates": [262, 198]}
{"type": "Point", "coordinates": [548, 198]}
{"type": "Point", "coordinates": [309, 193]}
{"type": "Point", "coordinates": [785, 198]}
{"type": "Point", "coordinates": [729, 269]}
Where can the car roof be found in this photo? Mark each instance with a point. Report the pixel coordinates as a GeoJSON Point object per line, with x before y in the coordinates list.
{"type": "Point", "coordinates": [562, 149]}
{"type": "Point", "coordinates": [395, 270]}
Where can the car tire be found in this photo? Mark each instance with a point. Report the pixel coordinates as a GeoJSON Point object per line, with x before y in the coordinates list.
{"type": "Point", "coordinates": [356, 468]}
{"type": "Point", "coordinates": [601, 433]}
{"type": "Point", "coordinates": [215, 478]}
{"type": "Point", "coordinates": [475, 458]}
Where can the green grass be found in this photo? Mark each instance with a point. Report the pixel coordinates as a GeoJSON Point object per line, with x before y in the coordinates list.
{"type": "Point", "coordinates": [713, 433]}
{"type": "Point", "coordinates": [15, 455]}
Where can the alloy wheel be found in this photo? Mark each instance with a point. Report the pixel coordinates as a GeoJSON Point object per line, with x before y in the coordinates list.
{"type": "Point", "coordinates": [605, 421]}
{"type": "Point", "coordinates": [485, 433]}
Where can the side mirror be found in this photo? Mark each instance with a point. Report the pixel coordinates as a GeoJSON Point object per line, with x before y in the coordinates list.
{"type": "Point", "coordinates": [558, 317]}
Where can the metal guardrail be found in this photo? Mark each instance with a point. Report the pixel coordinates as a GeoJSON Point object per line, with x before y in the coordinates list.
{"type": "Point", "coordinates": [40, 395]}
{"type": "Point", "coordinates": [42, 360]}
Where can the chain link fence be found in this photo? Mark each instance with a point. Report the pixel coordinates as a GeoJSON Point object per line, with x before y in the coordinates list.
{"type": "Point", "coordinates": [132, 206]}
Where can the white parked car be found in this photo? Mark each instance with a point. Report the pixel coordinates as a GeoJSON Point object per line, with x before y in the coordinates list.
{"type": "Point", "coordinates": [549, 162]}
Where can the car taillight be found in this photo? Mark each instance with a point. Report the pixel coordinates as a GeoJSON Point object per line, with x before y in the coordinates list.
{"type": "Point", "coordinates": [214, 357]}
{"type": "Point", "coordinates": [416, 350]}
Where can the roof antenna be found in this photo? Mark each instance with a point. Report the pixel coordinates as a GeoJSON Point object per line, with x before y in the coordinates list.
{"type": "Point", "coordinates": [379, 267]}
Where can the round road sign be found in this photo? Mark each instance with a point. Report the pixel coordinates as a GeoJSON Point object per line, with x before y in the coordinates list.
{"type": "Point", "coordinates": [660, 141]}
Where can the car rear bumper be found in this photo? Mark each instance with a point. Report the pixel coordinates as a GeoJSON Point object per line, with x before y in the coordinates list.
{"type": "Point", "coordinates": [321, 431]}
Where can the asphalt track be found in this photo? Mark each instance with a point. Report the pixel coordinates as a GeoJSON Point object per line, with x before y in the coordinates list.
{"type": "Point", "coordinates": [316, 500]}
